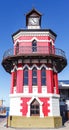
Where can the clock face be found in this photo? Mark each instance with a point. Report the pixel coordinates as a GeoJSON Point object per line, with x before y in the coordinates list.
{"type": "Point", "coordinates": [33, 21]}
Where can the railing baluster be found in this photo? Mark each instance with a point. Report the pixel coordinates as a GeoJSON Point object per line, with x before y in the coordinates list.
{"type": "Point", "coordinates": [28, 50]}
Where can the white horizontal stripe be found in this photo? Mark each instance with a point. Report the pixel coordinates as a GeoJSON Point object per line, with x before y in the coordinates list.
{"type": "Point", "coordinates": [36, 95]}
{"type": "Point", "coordinates": [41, 33]}
{"type": "Point", "coordinates": [32, 40]}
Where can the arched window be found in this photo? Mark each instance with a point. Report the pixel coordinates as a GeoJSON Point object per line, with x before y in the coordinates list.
{"type": "Point", "coordinates": [25, 76]}
{"type": "Point", "coordinates": [34, 46]}
{"type": "Point", "coordinates": [35, 108]}
{"type": "Point", "coordinates": [43, 76]}
{"type": "Point", "coordinates": [50, 48]}
{"type": "Point", "coordinates": [34, 76]}
{"type": "Point", "coordinates": [17, 48]}
{"type": "Point", "coordinates": [15, 78]}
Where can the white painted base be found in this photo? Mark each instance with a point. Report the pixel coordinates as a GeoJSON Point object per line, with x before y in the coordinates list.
{"type": "Point", "coordinates": [15, 106]}
{"type": "Point", "coordinates": [54, 107]}
{"type": "Point", "coordinates": [15, 102]}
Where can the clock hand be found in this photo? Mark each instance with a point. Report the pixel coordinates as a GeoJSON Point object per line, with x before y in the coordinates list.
{"type": "Point", "coordinates": [33, 20]}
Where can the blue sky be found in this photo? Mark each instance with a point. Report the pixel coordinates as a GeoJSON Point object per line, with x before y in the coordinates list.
{"type": "Point", "coordinates": [12, 18]}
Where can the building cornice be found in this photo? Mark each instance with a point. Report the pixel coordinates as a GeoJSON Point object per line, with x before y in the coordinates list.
{"type": "Point", "coordinates": [34, 32]}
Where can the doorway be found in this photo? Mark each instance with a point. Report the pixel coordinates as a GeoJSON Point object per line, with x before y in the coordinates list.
{"type": "Point", "coordinates": [35, 108]}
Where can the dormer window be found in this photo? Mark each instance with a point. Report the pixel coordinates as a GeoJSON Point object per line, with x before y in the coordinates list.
{"type": "Point", "coordinates": [34, 46]}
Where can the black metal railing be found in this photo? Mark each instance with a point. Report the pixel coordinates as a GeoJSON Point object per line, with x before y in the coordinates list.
{"type": "Point", "coordinates": [32, 51]}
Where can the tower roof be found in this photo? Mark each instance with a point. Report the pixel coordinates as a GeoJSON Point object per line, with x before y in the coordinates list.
{"type": "Point", "coordinates": [33, 11]}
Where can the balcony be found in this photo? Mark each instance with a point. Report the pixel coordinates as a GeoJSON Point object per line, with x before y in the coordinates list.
{"type": "Point", "coordinates": [34, 51]}
{"type": "Point", "coordinates": [38, 52]}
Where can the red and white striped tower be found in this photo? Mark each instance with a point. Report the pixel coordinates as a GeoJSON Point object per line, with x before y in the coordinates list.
{"type": "Point", "coordinates": [34, 64]}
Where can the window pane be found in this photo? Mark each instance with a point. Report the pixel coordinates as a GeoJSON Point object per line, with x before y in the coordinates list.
{"type": "Point", "coordinates": [32, 106]}
{"type": "Point", "coordinates": [25, 81]}
{"type": "Point", "coordinates": [34, 46]}
{"type": "Point", "coordinates": [43, 72]}
{"type": "Point", "coordinates": [34, 81]}
{"type": "Point", "coordinates": [17, 48]}
{"type": "Point", "coordinates": [43, 81]}
{"type": "Point", "coordinates": [43, 76]}
{"type": "Point", "coordinates": [37, 111]}
{"type": "Point", "coordinates": [37, 107]}
{"type": "Point", "coordinates": [34, 43]}
{"type": "Point", "coordinates": [26, 76]}
{"type": "Point", "coordinates": [34, 76]}
{"type": "Point", "coordinates": [32, 112]}
{"type": "Point", "coordinates": [25, 73]}
{"type": "Point", "coordinates": [34, 73]}
{"type": "Point", "coordinates": [15, 78]}
{"type": "Point", "coordinates": [34, 49]}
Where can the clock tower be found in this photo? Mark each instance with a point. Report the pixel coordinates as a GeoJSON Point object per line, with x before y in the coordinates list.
{"type": "Point", "coordinates": [33, 19]}
{"type": "Point", "coordinates": [34, 63]}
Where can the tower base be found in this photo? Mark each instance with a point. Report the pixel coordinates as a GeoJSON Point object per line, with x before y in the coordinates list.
{"type": "Point", "coordinates": [34, 122]}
